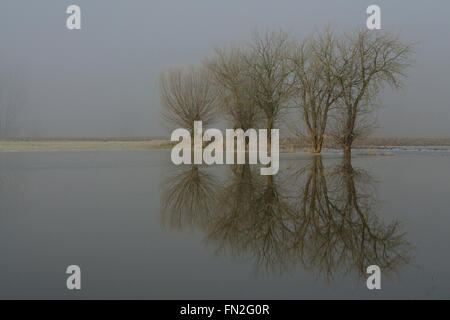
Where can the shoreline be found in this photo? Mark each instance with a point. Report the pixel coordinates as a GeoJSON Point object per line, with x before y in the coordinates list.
{"type": "Point", "coordinates": [76, 144]}
{"type": "Point", "coordinates": [286, 144]}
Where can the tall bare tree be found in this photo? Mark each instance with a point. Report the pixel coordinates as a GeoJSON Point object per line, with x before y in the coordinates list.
{"type": "Point", "coordinates": [312, 63]}
{"type": "Point", "coordinates": [234, 89]}
{"type": "Point", "coordinates": [268, 69]}
{"type": "Point", "coordinates": [187, 95]}
{"type": "Point", "coordinates": [368, 60]}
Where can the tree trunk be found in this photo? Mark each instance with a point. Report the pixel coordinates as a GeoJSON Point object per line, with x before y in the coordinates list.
{"type": "Point", "coordinates": [348, 140]}
{"type": "Point", "coordinates": [347, 151]}
{"type": "Point", "coordinates": [316, 145]}
{"type": "Point", "coordinates": [269, 127]}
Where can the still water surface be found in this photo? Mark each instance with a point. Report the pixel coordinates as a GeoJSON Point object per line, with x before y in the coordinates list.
{"type": "Point", "coordinates": [140, 227]}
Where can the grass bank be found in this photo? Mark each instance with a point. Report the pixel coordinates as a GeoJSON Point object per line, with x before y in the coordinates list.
{"type": "Point", "coordinates": [30, 145]}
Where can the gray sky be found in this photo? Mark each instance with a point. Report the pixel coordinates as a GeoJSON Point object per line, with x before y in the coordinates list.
{"type": "Point", "coordinates": [102, 80]}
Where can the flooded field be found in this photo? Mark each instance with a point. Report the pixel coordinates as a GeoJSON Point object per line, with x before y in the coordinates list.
{"type": "Point", "coordinates": [140, 227]}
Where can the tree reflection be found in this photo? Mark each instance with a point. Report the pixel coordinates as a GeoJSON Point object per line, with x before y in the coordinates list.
{"type": "Point", "coordinates": [320, 218]}
{"type": "Point", "coordinates": [188, 198]}
{"type": "Point", "coordinates": [255, 220]}
{"type": "Point", "coordinates": [339, 229]}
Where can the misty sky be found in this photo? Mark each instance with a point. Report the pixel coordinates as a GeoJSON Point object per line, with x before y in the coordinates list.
{"type": "Point", "coordinates": [103, 80]}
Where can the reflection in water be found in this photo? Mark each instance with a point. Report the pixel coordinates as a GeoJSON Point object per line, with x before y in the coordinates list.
{"type": "Point", "coordinates": [188, 199]}
{"type": "Point", "coordinates": [254, 219]}
{"type": "Point", "coordinates": [319, 218]}
{"type": "Point", "coordinates": [339, 229]}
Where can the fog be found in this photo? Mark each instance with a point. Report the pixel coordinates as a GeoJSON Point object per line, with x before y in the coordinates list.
{"type": "Point", "coordinates": [102, 80]}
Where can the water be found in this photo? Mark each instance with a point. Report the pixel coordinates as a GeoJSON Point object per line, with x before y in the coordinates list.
{"type": "Point", "coordinates": [140, 227]}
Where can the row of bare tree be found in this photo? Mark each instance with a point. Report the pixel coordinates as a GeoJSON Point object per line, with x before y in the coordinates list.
{"type": "Point", "coordinates": [331, 80]}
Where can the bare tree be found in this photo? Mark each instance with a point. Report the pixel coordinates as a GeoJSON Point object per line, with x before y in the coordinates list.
{"type": "Point", "coordinates": [187, 96]}
{"type": "Point", "coordinates": [234, 88]}
{"type": "Point", "coordinates": [368, 61]}
{"type": "Point", "coordinates": [268, 69]}
{"type": "Point", "coordinates": [312, 63]}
